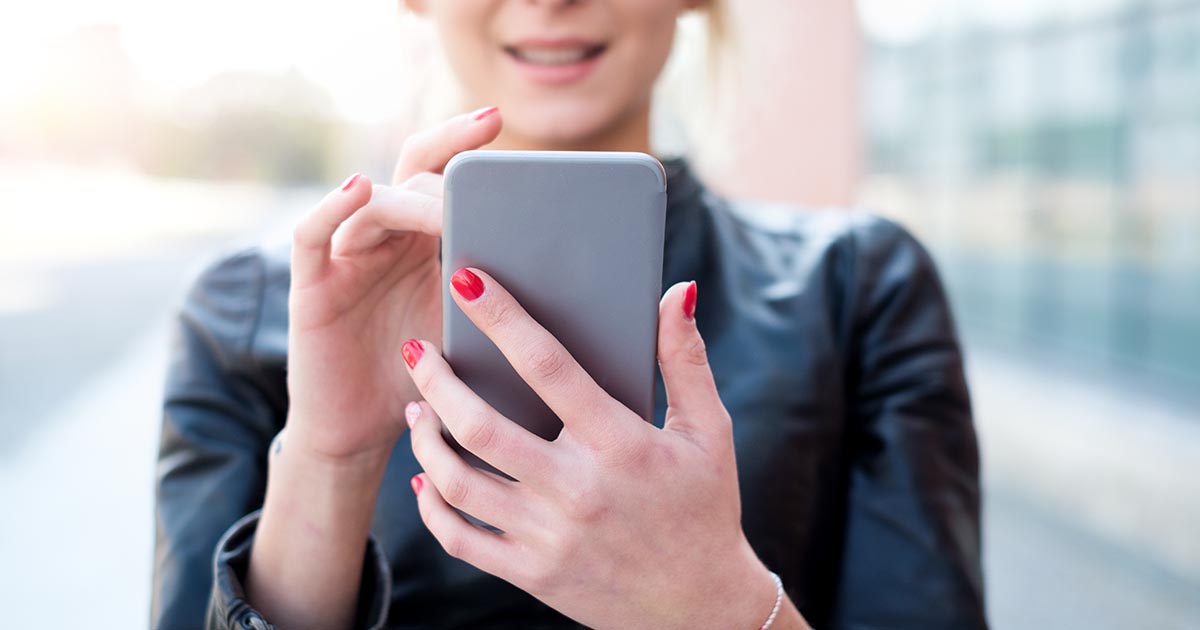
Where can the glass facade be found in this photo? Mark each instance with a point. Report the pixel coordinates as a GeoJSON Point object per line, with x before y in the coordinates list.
{"type": "Point", "coordinates": [1054, 169]}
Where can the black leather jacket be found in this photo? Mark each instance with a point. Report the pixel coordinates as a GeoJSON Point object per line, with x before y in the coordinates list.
{"type": "Point", "coordinates": [833, 348]}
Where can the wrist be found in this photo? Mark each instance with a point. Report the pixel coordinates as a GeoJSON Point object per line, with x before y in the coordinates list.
{"type": "Point", "coordinates": [334, 495]}
{"type": "Point", "coordinates": [767, 603]}
{"type": "Point", "coordinates": [306, 562]}
{"type": "Point", "coordinates": [337, 450]}
{"type": "Point", "coordinates": [742, 597]}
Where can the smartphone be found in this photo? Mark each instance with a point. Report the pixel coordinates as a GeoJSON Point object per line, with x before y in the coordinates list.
{"type": "Point", "coordinates": [577, 238]}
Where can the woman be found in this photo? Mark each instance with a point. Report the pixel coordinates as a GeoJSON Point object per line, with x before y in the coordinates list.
{"type": "Point", "coordinates": [814, 451]}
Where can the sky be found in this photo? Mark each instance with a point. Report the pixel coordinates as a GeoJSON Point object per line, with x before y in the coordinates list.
{"type": "Point", "coordinates": [352, 47]}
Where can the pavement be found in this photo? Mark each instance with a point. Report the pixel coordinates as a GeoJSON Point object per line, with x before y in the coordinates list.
{"type": "Point", "coordinates": [1092, 499]}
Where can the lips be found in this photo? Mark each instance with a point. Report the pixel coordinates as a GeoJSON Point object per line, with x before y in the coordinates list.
{"type": "Point", "coordinates": [555, 62]}
{"type": "Point", "coordinates": [559, 54]}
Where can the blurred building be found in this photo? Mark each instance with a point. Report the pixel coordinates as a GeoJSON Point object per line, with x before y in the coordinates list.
{"type": "Point", "coordinates": [1054, 165]}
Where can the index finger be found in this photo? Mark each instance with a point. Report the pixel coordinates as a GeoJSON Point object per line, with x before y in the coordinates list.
{"type": "Point", "coordinates": [431, 149]}
{"type": "Point", "coordinates": [586, 410]}
{"type": "Point", "coordinates": [312, 235]}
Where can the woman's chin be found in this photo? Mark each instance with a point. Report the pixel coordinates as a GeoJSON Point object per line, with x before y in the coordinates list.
{"type": "Point", "coordinates": [567, 126]}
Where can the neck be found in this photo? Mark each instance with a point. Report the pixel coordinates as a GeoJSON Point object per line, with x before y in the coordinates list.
{"type": "Point", "coordinates": [630, 133]}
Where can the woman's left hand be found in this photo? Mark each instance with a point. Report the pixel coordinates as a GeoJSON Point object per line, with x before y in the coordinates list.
{"type": "Point", "coordinates": [616, 523]}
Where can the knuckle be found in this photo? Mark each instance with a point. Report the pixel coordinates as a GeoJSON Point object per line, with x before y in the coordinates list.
{"type": "Point", "coordinates": [622, 450]}
{"type": "Point", "coordinates": [427, 382]}
{"type": "Point", "coordinates": [423, 180]}
{"type": "Point", "coordinates": [694, 352]}
{"type": "Point", "coordinates": [581, 504]}
{"type": "Point", "coordinates": [479, 432]}
{"type": "Point", "coordinates": [561, 549]}
{"type": "Point", "coordinates": [416, 149]}
{"type": "Point", "coordinates": [541, 576]}
{"type": "Point", "coordinates": [456, 544]}
{"type": "Point", "coordinates": [638, 457]}
{"type": "Point", "coordinates": [547, 363]}
{"type": "Point", "coordinates": [499, 315]}
{"type": "Point", "coordinates": [298, 235]}
{"type": "Point", "coordinates": [302, 232]}
{"type": "Point", "coordinates": [410, 145]}
{"type": "Point", "coordinates": [458, 490]}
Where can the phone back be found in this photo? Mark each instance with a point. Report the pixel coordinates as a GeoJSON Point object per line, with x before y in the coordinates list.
{"type": "Point", "coordinates": [577, 238]}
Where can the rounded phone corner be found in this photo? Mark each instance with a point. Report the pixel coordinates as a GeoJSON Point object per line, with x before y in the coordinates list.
{"type": "Point", "coordinates": [655, 166]}
{"type": "Point", "coordinates": [460, 159]}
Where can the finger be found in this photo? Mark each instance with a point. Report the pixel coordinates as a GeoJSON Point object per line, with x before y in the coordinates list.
{"type": "Point", "coordinates": [486, 497]}
{"type": "Point", "coordinates": [311, 238]}
{"type": "Point", "coordinates": [392, 210]}
{"type": "Point", "coordinates": [693, 404]}
{"type": "Point", "coordinates": [587, 411]}
{"type": "Point", "coordinates": [431, 149]}
{"type": "Point", "coordinates": [486, 550]}
{"type": "Point", "coordinates": [474, 423]}
{"type": "Point", "coordinates": [426, 183]}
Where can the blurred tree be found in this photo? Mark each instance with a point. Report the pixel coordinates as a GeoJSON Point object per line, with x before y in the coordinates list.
{"type": "Point", "coordinates": [246, 125]}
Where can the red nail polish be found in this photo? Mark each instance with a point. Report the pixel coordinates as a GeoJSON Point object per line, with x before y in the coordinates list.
{"type": "Point", "coordinates": [350, 181]}
{"type": "Point", "coordinates": [480, 114]}
{"type": "Point", "coordinates": [412, 351]}
{"type": "Point", "coordinates": [689, 301]}
{"type": "Point", "coordinates": [416, 484]}
{"type": "Point", "coordinates": [467, 284]}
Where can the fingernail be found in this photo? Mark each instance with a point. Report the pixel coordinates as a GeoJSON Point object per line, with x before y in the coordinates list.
{"type": "Point", "coordinates": [417, 483]}
{"type": "Point", "coordinates": [689, 301]}
{"type": "Point", "coordinates": [412, 412]}
{"type": "Point", "coordinates": [467, 284]}
{"type": "Point", "coordinates": [412, 351]}
{"type": "Point", "coordinates": [480, 114]}
{"type": "Point", "coordinates": [350, 181]}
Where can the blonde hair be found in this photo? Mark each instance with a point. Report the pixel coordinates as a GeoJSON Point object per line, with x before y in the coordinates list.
{"type": "Point", "coordinates": [690, 105]}
{"type": "Point", "coordinates": [716, 13]}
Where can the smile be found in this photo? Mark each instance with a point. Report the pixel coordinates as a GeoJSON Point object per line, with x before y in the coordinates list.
{"type": "Point", "coordinates": [555, 55]}
{"type": "Point", "coordinates": [555, 62]}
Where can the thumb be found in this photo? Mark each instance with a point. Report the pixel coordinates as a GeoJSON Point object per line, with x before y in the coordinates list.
{"type": "Point", "coordinates": [693, 404]}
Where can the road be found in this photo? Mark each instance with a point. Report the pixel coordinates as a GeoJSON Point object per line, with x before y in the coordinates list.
{"type": "Point", "coordinates": [81, 369]}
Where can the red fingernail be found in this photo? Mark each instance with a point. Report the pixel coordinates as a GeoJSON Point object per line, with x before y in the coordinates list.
{"type": "Point", "coordinates": [416, 484]}
{"type": "Point", "coordinates": [350, 181]}
{"type": "Point", "coordinates": [412, 351]}
{"type": "Point", "coordinates": [412, 412]}
{"type": "Point", "coordinates": [689, 301]}
{"type": "Point", "coordinates": [480, 114]}
{"type": "Point", "coordinates": [467, 284]}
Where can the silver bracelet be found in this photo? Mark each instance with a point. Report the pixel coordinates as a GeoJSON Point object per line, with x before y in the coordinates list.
{"type": "Point", "coordinates": [778, 600]}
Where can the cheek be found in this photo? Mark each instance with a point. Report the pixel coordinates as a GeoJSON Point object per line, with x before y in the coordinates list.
{"type": "Point", "coordinates": [463, 35]}
{"type": "Point", "coordinates": [651, 25]}
{"type": "Point", "coordinates": [650, 44]}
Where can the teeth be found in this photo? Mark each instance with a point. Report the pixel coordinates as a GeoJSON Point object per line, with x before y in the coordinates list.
{"type": "Point", "coordinates": [552, 56]}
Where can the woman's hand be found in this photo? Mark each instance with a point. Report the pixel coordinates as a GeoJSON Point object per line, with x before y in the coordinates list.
{"type": "Point", "coordinates": [365, 277]}
{"type": "Point", "coordinates": [616, 523]}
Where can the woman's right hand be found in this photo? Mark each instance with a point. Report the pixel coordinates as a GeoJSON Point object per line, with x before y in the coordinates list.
{"type": "Point", "coordinates": [365, 278]}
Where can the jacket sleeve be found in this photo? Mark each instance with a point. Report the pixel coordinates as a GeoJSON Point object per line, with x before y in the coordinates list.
{"type": "Point", "coordinates": [228, 607]}
{"type": "Point", "coordinates": [912, 540]}
{"type": "Point", "coordinates": [216, 426]}
{"type": "Point", "coordinates": [221, 410]}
